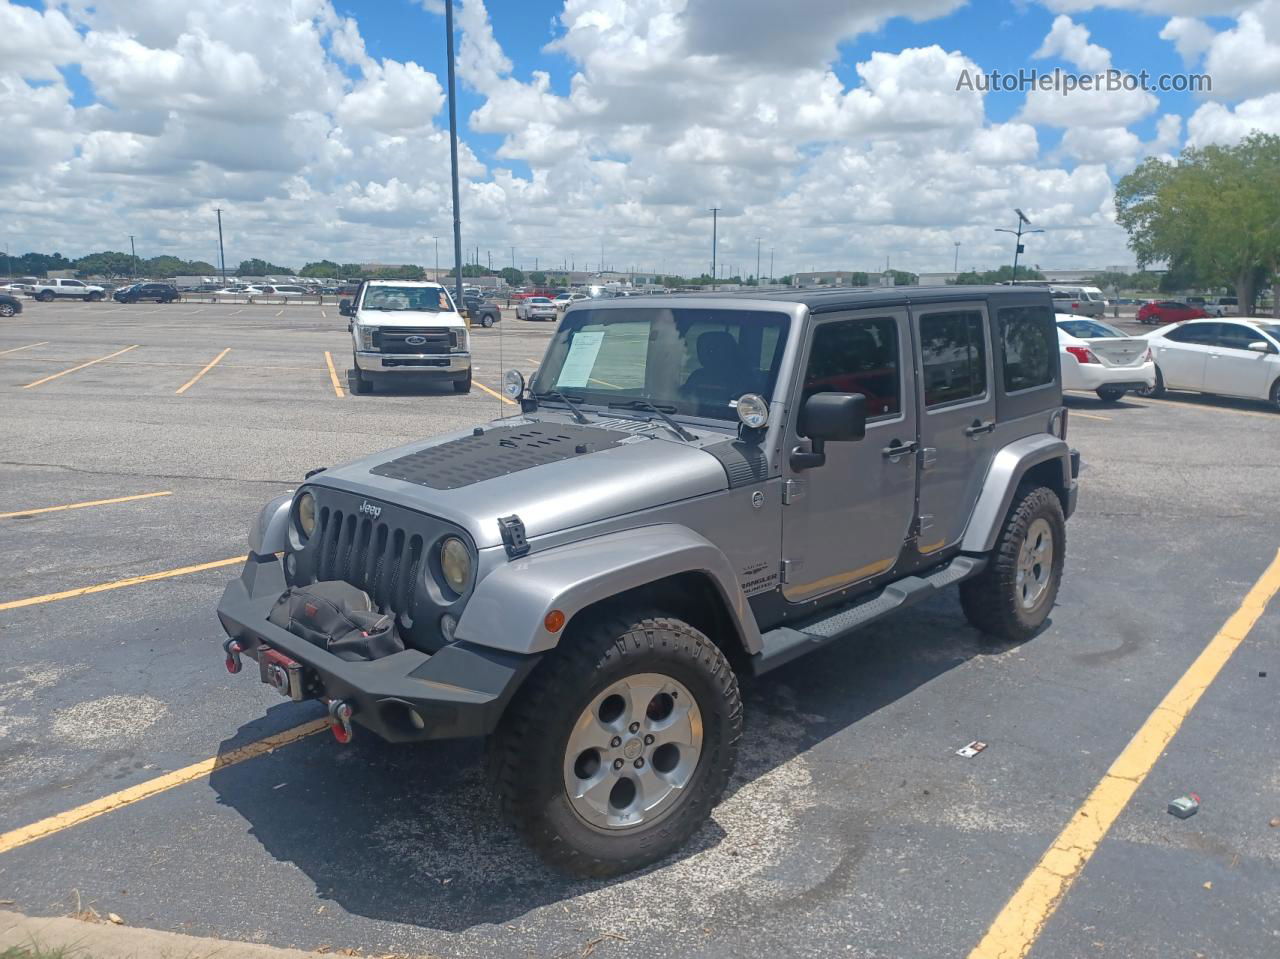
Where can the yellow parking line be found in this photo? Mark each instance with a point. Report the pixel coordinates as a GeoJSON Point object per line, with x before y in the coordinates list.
{"type": "Point", "coordinates": [179, 777]}
{"type": "Point", "coordinates": [506, 399]}
{"type": "Point", "coordinates": [333, 374]}
{"type": "Point", "coordinates": [212, 363]}
{"type": "Point", "coordinates": [1023, 918]}
{"type": "Point", "coordinates": [604, 383]}
{"type": "Point", "coordinates": [93, 502]}
{"type": "Point", "coordinates": [27, 347]}
{"type": "Point", "coordinates": [1090, 416]}
{"type": "Point", "coordinates": [100, 359]}
{"type": "Point", "coordinates": [118, 584]}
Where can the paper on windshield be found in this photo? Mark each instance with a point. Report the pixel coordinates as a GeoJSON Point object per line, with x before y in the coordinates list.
{"type": "Point", "coordinates": [581, 360]}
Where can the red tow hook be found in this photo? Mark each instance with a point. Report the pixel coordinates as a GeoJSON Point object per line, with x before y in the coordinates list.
{"type": "Point", "coordinates": [340, 721]}
{"type": "Point", "coordinates": [233, 649]}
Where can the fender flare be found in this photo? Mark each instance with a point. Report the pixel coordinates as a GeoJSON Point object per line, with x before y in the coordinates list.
{"type": "Point", "coordinates": [507, 609]}
{"type": "Point", "coordinates": [270, 531]}
{"type": "Point", "coordinates": [1006, 472]}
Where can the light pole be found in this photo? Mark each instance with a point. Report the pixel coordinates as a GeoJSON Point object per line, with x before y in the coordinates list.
{"type": "Point", "coordinates": [453, 152]}
{"type": "Point", "coordinates": [715, 214]}
{"type": "Point", "coordinates": [436, 240]}
{"type": "Point", "coordinates": [771, 266]}
{"type": "Point", "coordinates": [222, 256]}
{"type": "Point", "coordinates": [956, 268]}
{"type": "Point", "coordinates": [133, 253]}
{"type": "Point", "coordinates": [1019, 233]}
{"type": "Point", "coordinates": [757, 261]}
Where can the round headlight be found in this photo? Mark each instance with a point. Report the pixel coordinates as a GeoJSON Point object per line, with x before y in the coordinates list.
{"type": "Point", "coordinates": [513, 383]}
{"type": "Point", "coordinates": [306, 513]}
{"type": "Point", "coordinates": [753, 411]}
{"type": "Point", "coordinates": [455, 563]}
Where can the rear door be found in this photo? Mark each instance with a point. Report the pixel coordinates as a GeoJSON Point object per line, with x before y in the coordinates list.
{"type": "Point", "coordinates": [957, 418]}
{"type": "Point", "coordinates": [1183, 353]}
{"type": "Point", "coordinates": [1233, 369]}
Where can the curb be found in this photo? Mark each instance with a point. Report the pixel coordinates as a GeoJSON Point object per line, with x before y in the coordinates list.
{"type": "Point", "coordinates": [91, 940]}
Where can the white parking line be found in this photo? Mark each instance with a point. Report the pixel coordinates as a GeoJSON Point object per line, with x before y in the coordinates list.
{"type": "Point", "coordinates": [281, 312]}
{"type": "Point", "coordinates": [235, 312]}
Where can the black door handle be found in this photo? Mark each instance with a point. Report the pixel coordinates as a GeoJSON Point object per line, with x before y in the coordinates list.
{"type": "Point", "coordinates": [898, 449]}
{"type": "Point", "coordinates": [979, 427]}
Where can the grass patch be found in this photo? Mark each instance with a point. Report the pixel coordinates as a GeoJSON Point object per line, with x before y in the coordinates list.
{"type": "Point", "coordinates": [35, 952]}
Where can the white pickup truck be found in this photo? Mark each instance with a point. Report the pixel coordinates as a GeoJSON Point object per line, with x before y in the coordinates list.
{"type": "Point", "coordinates": [46, 290]}
{"type": "Point", "coordinates": [402, 329]}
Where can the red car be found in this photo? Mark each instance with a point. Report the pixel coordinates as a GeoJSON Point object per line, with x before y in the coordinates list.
{"type": "Point", "coordinates": [1159, 312]}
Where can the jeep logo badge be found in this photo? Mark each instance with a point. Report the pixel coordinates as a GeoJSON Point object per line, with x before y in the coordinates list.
{"type": "Point", "coordinates": [370, 510]}
{"type": "Point", "coordinates": [415, 340]}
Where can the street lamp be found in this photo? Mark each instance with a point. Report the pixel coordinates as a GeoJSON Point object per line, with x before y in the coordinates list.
{"type": "Point", "coordinates": [956, 268]}
{"type": "Point", "coordinates": [1019, 233]}
{"type": "Point", "coordinates": [453, 152]}
{"type": "Point", "coordinates": [436, 240]}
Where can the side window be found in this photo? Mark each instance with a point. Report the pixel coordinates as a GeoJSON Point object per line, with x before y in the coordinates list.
{"type": "Point", "coordinates": [953, 352]}
{"type": "Point", "coordinates": [1233, 336]}
{"type": "Point", "coordinates": [1200, 333]}
{"type": "Point", "coordinates": [1028, 347]}
{"type": "Point", "coordinates": [857, 356]}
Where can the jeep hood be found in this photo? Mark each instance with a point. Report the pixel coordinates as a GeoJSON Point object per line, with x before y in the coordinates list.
{"type": "Point", "coordinates": [553, 475]}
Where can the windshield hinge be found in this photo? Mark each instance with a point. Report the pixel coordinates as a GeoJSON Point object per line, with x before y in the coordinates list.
{"type": "Point", "coordinates": [792, 490]}
{"type": "Point", "coordinates": [513, 538]}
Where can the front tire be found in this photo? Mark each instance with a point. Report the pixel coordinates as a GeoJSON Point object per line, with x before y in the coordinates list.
{"type": "Point", "coordinates": [1157, 391]}
{"type": "Point", "coordinates": [357, 382]}
{"type": "Point", "coordinates": [1012, 597]}
{"type": "Point", "coordinates": [6, 309]}
{"type": "Point", "coordinates": [619, 745]}
{"type": "Point", "coordinates": [463, 385]}
{"type": "Point", "coordinates": [1110, 394]}
{"type": "Point", "coordinates": [95, 297]}
{"type": "Point", "coordinates": [1275, 396]}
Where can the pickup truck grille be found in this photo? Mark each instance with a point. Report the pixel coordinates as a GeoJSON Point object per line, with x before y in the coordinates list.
{"type": "Point", "coordinates": [427, 339]}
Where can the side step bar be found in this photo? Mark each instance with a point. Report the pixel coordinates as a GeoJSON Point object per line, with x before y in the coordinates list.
{"type": "Point", "coordinates": [785, 643]}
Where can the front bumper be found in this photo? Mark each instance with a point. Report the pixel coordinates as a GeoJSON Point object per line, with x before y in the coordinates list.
{"type": "Point", "coordinates": [441, 363]}
{"type": "Point", "coordinates": [408, 696]}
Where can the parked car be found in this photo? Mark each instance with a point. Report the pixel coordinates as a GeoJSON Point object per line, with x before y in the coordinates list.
{"type": "Point", "coordinates": [46, 290]}
{"type": "Point", "coordinates": [536, 308]}
{"type": "Point", "coordinates": [1240, 357]}
{"type": "Point", "coordinates": [1156, 312]}
{"type": "Point", "coordinates": [10, 305]}
{"type": "Point", "coordinates": [565, 300]}
{"type": "Point", "coordinates": [290, 290]}
{"type": "Point", "coordinates": [1078, 300]}
{"type": "Point", "coordinates": [405, 329]}
{"type": "Point", "coordinates": [585, 582]}
{"type": "Point", "coordinates": [160, 292]}
{"type": "Point", "coordinates": [482, 311]}
{"type": "Point", "coordinates": [1223, 306]}
{"type": "Point", "coordinates": [1099, 358]}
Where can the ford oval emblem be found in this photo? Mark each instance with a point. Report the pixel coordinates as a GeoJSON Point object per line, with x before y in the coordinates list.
{"type": "Point", "coordinates": [415, 340]}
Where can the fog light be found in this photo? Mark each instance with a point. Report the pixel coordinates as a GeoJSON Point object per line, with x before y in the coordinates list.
{"type": "Point", "coordinates": [753, 411]}
{"type": "Point", "coordinates": [448, 623]}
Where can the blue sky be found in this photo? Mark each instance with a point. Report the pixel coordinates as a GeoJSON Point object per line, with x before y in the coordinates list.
{"type": "Point", "coordinates": [833, 131]}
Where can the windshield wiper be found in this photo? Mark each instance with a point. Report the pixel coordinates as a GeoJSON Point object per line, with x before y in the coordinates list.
{"type": "Point", "coordinates": [675, 427]}
{"type": "Point", "coordinates": [557, 395]}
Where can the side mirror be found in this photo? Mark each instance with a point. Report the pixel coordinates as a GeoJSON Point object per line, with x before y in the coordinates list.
{"type": "Point", "coordinates": [837, 417]}
{"type": "Point", "coordinates": [1260, 346]}
{"type": "Point", "coordinates": [344, 308]}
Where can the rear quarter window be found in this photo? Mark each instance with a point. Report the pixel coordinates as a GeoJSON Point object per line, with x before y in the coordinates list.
{"type": "Point", "coordinates": [1028, 347]}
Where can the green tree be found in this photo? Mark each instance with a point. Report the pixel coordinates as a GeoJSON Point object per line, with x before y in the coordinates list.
{"type": "Point", "coordinates": [512, 276]}
{"type": "Point", "coordinates": [902, 278]}
{"type": "Point", "coordinates": [256, 267]}
{"type": "Point", "coordinates": [538, 278]}
{"type": "Point", "coordinates": [200, 268]}
{"type": "Point", "coordinates": [1213, 216]}
{"type": "Point", "coordinates": [39, 264]}
{"type": "Point", "coordinates": [108, 263]}
{"type": "Point", "coordinates": [164, 266]}
{"type": "Point", "coordinates": [1002, 275]}
{"type": "Point", "coordinates": [321, 268]}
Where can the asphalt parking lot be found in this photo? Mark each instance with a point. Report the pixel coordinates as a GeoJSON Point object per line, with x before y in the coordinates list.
{"type": "Point", "coordinates": [851, 827]}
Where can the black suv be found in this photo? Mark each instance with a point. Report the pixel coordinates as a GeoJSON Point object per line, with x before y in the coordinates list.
{"type": "Point", "coordinates": [160, 292]}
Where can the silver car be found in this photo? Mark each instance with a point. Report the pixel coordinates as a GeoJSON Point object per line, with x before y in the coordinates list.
{"type": "Point", "coordinates": [536, 308]}
{"type": "Point", "coordinates": [696, 489]}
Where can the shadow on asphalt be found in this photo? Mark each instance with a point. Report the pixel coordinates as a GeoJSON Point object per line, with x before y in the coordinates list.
{"type": "Point", "coordinates": [409, 834]}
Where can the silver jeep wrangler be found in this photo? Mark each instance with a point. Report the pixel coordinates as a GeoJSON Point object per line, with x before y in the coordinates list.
{"type": "Point", "coordinates": [698, 489]}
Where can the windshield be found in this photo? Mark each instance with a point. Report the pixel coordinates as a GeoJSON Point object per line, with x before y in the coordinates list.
{"type": "Point", "coordinates": [429, 299]}
{"type": "Point", "coordinates": [694, 362]}
{"type": "Point", "coordinates": [1089, 329]}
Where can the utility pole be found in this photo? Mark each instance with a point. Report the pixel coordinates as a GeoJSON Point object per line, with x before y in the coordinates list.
{"type": "Point", "coordinates": [757, 261]}
{"type": "Point", "coordinates": [490, 252]}
{"type": "Point", "coordinates": [134, 253]}
{"type": "Point", "coordinates": [771, 266]}
{"type": "Point", "coordinates": [715, 215]}
{"type": "Point", "coordinates": [513, 258]}
{"type": "Point", "coordinates": [436, 240]}
{"type": "Point", "coordinates": [453, 153]}
{"type": "Point", "coordinates": [8, 263]}
{"type": "Point", "coordinates": [956, 268]}
{"type": "Point", "coordinates": [1019, 233]}
{"type": "Point", "coordinates": [222, 256]}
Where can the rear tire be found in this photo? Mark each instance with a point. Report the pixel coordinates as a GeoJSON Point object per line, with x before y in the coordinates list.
{"type": "Point", "coordinates": [1157, 391]}
{"type": "Point", "coordinates": [1110, 394]}
{"type": "Point", "coordinates": [555, 736]}
{"type": "Point", "coordinates": [45, 296]}
{"type": "Point", "coordinates": [1275, 396]}
{"type": "Point", "coordinates": [486, 321]}
{"type": "Point", "coordinates": [1012, 597]}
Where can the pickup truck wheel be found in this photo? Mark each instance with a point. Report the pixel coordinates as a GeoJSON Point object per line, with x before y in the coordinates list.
{"type": "Point", "coordinates": [95, 297]}
{"type": "Point", "coordinates": [619, 745]}
{"type": "Point", "coordinates": [463, 385]}
{"type": "Point", "coordinates": [357, 382]}
{"type": "Point", "coordinates": [45, 296]}
{"type": "Point", "coordinates": [1012, 597]}
{"type": "Point", "coordinates": [1110, 394]}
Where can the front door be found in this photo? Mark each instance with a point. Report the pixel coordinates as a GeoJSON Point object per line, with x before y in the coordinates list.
{"type": "Point", "coordinates": [1182, 360]}
{"type": "Point", "coordinates": [846, 521]}
{"type": "Point", "coordinates": [957, 420]}
{"type": "Point", "coordinates": [1233, 369]}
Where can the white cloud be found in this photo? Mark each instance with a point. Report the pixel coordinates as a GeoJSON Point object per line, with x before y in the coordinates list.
{"type": "Point", "coordinates": [34, 43]}
{"type": "Point", "coordinates": [1070, 41]}
{"type": "Point", "coordinates": [1216, 123]}
{"type": "Point", "coordinates": [1190, 36]}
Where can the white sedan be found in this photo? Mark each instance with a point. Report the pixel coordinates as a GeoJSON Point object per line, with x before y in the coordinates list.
{"type": "Point", "coordinates": [1238, 356]}
{"type": "Point", "coordinates": [536, 308]}
{"type": "Point", "coordinates": [565, 300]}
{"type": "Point", "coordinates": [1099, 358]}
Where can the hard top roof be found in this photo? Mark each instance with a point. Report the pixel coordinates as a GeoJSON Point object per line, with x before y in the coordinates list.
{"type": "Point", "coordinates": [826, 301]}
